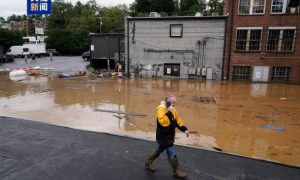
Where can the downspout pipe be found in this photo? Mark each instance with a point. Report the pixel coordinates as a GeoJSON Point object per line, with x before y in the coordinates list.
{"type": "Point", "coordinates": [128, 61]}
{"type": "Point", "coordinates": [224, 49]}
{"type": "Point", "coordinates": [230, 37]}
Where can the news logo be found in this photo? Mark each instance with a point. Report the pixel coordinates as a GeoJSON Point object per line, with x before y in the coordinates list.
{"type": "Point", "coordinates": [38, 7]}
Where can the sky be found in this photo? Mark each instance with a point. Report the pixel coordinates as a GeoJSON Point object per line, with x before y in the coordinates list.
{"type": "Point", "coordinates": [9, 7]}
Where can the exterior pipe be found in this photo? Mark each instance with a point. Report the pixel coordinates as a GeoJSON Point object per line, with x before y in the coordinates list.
{"type": "Point", "coordinates": [230, 38]}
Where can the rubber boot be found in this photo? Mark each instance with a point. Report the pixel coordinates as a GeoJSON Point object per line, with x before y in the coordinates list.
{"type": "Point", "coordinates": [149, 161]}
{"type": "Point", "coordinates": [177, 173]}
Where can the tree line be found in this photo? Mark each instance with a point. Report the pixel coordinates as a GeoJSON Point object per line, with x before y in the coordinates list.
{"type": "Point", "coordinates": [177, 8]}
{"type": "Point", "coordinates": [69, 25]}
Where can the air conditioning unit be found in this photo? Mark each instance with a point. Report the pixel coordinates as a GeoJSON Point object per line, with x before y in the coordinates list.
{"type": "Point", "coordinates": [192, 71]}
{"type": "Point", "coordinates": [203, 72]}
{"type": "Point", "coordinates": [154, 14]}
{"type": "Point", "coordinates": [198, 71]}
{"type": "Point", "coordinates": [215, 14]}
{"type": "Point", "coordinates": [291, 10]}
{"type": "Point", "coordinates": [198, 14]}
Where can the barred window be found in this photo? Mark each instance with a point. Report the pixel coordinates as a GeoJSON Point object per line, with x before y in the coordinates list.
{"type": "Point", "coordinates": [248, 39]}
{"type": "Point", "coordinates": [241, 72]}
{"type": "Point", "coordinates": [251, 6]}
{"type": "Point", "coordinates": [258, 6]}
{"type": "Point", "coordinates": [278, 6]}
{"type": "Point", "coordinates": [273, 40]}
{"type": "Point", "coordinates": [280, 73]}
{"type": "Point", "coordinates": [244, 7]}
{"type": "Point", "coordinates": [241, 40]}
{"type": "Point", "coordinates": [281, 40]}
{"type": "Point", "coordinates": [255, 36]}
{"type": "Point", "coordinates": [288, 39]}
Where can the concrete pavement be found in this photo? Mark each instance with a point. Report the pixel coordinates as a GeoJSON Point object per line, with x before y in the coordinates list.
{"type": "Point", "coordinates": [33, 150]}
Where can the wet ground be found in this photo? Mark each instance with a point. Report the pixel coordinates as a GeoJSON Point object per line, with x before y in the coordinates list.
{"type": "Point", "coordinates": [33, 150]}
{"type": "Point", "coordinates": [254, 120]}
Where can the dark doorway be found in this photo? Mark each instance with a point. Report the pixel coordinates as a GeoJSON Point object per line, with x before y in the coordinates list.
{"type": "Point", "coordinates": [171, 69]}
{"type": "Point", "coordinates": [102, 64]}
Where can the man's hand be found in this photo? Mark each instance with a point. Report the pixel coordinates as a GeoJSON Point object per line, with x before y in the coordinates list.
{"type": "Point", "coordinates": [187, 133]}
{"type": "Point", "coordinates": [170, 108]}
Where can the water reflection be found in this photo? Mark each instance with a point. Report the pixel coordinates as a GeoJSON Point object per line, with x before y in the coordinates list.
{"type": "Point", "coordinates": [233, 123]}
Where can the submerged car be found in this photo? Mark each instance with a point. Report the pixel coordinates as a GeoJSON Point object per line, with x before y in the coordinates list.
{"type": "Point", "coordinates": [86, 56]}
{"type": "Point", "coordinates": [53, 51]}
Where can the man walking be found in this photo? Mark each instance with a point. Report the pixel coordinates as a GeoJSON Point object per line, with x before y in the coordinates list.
{"type": "Point", "coordinates": [51, 56]}
{"type": "Point", "coordinates": [25, 58]}
{"type": "Point", "coordinates": [167, 121]}
{"type": "Point", "coordinates": [33, 58]}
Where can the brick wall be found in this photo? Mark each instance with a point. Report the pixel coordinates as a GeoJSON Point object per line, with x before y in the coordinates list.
{"type": "Point", "coordinates": [289, 59]}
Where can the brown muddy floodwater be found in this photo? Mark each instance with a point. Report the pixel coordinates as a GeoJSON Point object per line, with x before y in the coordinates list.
{"type": "Point", "coordinates": [233, 121]}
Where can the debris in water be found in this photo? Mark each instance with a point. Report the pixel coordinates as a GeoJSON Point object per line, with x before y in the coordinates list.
{"type": "Point", "coordinates": [276, 116]}
{"type": "Point", "coordinates": [206, 100]}
{"type": "Point", "coordinates": [17, 75]}
{"type": "Point", "coordinates": [119, 117]}
{"type": "Point", "coordinates": [127, 120]}
{"type": "Point", "coordinates": [119, 112]}
{"type": "Point", "coordinates": [217, 149]}
{"type": "Point", "coordinates": [260, 116]}
{"type": "Point", "coordinates": [273, 127]}
{"type": "Point", "coordinates": [193, 132]}
{"type": "Point", "coordinates": [40, 90]}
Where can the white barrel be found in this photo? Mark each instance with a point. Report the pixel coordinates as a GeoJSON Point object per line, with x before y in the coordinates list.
{"type": "Point", "coordinates": [17, 75]}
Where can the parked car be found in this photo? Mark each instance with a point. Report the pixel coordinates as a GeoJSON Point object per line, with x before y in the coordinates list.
{"type": "Point", "coordinates": [86, 56]}
{"type": "Point", "coordinates": [54, 52]}
{"type": "Point", "coordinates": [6, 58]}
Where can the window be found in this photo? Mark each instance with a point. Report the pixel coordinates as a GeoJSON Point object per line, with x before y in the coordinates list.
{"type": "Point", "coordinates": [252, 7]}
{"type": "Point", "coordinates": [244, 7]}
{"type": "Point", "coordinates": [273, 40]}
{"type": "Point", "coordinates": [176, 30]}
{"type": "Point", "coordinates": [258, 7]}
{"type": "Point", "coordinates": [241, 40]}
{"type": "Point", "coordinates": [281, 40]}
{"type": "Point", "coordinates": [254, 44]}
{"type": "Point", "coordinates": [280, 73]}
{"type": "Point", "coordinates": [288, 39]}
{"type": "Point", "coordinates": [278, 6]}
{"type": "Point", "coordinates": [248, 39]}
{"type": "Point", "coordinates": [241, 72]}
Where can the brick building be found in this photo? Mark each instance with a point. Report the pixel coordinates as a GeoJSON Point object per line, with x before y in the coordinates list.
{"type": "Point", "coordinates": [263, 40]}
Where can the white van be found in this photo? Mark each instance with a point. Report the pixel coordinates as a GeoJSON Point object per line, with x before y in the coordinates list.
{"type": "Point", "coordinates": [15, 51]}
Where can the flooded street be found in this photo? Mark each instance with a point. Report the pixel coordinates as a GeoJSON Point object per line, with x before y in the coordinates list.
{"type": "Point", "coordinates": [254, 120]}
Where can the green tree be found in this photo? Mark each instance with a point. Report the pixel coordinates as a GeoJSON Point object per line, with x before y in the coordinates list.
{"type": "Point", "coordinates": [185, 5]}
{"type": "Point", "coordinates": [2, 20]}
{"type": "Point", "coordinates": [16, 18]}
{"type": "Point", "coordinates": [113, 19]}
{"type": "Point", "coordinates": [87, 21]}
{"type": "Point", "coordinates": [216, 6]}
{"type": "Point", "coordinates": [199, 6]}
{"type": "Point", "coordinates": [10, 38]}
{"type": "Point", "coordinates": [68, 26]}
{"type": "Point", "coordinates": [166, 6]}
{"type": "Point", "coordinates": [142, 6]}
{"type": "Point", "coordinates": [146, 6]}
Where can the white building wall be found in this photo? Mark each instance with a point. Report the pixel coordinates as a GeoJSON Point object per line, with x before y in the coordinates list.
{"type": "Point", "coordinates": [146, 35]}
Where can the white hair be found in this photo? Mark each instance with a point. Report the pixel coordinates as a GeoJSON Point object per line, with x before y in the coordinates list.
{"type": "Point", "coordinates": [168, 97]}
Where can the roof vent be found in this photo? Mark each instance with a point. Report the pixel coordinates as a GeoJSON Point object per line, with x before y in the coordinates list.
{"type": "Point", "coordinates": [154, 14]}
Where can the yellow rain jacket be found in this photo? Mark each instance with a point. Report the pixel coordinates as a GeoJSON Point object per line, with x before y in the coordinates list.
{"type": "Point", "coordinates": [166, 123]}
